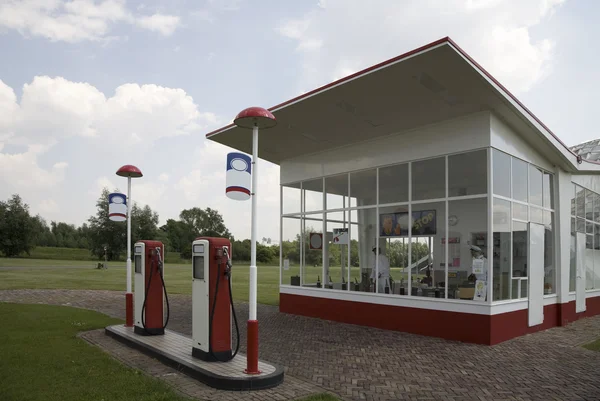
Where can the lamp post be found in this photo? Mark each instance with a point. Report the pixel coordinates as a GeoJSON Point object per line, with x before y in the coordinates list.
{"type": "Point", "coordinates": [254, 118]}
{"type": "Point", "coordinates": [130, 172]}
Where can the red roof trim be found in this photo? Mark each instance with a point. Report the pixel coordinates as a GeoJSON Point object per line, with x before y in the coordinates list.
{"type": "Point", "coordinates": [400, 57]}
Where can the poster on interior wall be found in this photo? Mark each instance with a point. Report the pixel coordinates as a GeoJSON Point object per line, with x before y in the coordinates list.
{"type": "Point", "coordinates": [480, 290]}
{"type": "Point", "coordinates": [396, 224]}
{"type": "Point", "coordinates": [340, 236]}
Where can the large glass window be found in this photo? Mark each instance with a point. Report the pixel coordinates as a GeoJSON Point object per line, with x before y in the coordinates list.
{"type": "Point", "coordinates": [313, 251]}
{"type": "Point", "coordinates": [573, 192]}
{"type": "Point", "coordinates": [290, 251]}
{"type": "Point", "coordinates": [501, 168]}
{"type": "Point", "coordinates": [535, 185]}
{"type": "Point", "coordinates": [580, 207]}
{"type": "Point", "coordinates": [520, 211]}
{"type": "Point", "coordinates": [596, 272]}
{"type": "Point", "coordinates": [469, 228]}
{"type": "Point", "coordinates": [336, 189]}
{"type": "Point", "coordinates": [367, 221]}
{"type": "Point", "coordinates": [467, 173]}
{"type": "Point", "coordinates": [428, 273]}
{"type": "Point", "coordinates": [519, 285]}
{"type": "Point", "coordinates": [519, 249]}
{"type": "Point", "coordinates": [313, 195]}
{"type": "Point", "coordinates": [363, 237]}
{"type": "Point", "coordinates": [573, 265]}
{"type": "Point", "coordinates": [291, 198]}
{"type": "Point", "coordinates": [393, 184]}
{"type": "Point", "coordinates": [429, 179]}
{"type": "Point", "coordinates": [336, 250]}
{"type": "Point", "coordinates": [519, 180]}
{"type": "Point", "coordinates": [589, 262]}
{"type": "Point", "coordinates": [502, 249]}
{"type": "Point", "coordinates": [548, 190]}
{"type": "Point", "coordinates": [363, 188]}
{"type": "Point", "coordinates": [589, 206]}
{"type": "Point", "coordinates": [393, 234]}
{"type": "Point", "coordinates": [549, 268]}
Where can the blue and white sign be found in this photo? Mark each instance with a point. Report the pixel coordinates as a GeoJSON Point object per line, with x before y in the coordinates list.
{"type": "Point", "coordinates": [117, 207]}
{"type": "Point", "coordinates": [238, 176]}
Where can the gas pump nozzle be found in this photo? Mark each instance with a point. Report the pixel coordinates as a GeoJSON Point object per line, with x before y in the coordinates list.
{"type": "Point", "coordinates": [228, 262]}
{"type": "Point", "coordinates": [160, 261]}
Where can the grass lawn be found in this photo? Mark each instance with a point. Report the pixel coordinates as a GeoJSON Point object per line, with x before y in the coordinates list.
{"type": "Point", "coordinates": [21, 273]}
{"type": "Point", "coordinates": [42, 359]}
{"type": "Point", "coordinates": [594, 346]}
{"type": "Point", "coordinates": [33, 274]}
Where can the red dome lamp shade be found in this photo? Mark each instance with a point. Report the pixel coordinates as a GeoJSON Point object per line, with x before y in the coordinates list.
{"type": "Point", "coordinates": [129, 171]}
{"type": "Point", "coordinates": [255, 117]}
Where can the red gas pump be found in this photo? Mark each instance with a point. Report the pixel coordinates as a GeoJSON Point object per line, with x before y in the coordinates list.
{"type": "Point", "coordinates": [212, 301]}
{"type": "Point", "coordinates": [150, 289]}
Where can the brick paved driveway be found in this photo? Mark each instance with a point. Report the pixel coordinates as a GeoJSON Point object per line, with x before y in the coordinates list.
{"type": "Point", "coordinates": [359, 363]}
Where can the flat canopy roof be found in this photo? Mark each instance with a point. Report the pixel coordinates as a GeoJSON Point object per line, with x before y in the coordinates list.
{"type": "Point", "coordinates": [436, 82]}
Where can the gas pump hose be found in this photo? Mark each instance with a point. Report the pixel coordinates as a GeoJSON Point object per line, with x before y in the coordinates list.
{"type": "Point", "coordinates": [162, 279]}
{"type": "Point", "coordinates": [212, 315]}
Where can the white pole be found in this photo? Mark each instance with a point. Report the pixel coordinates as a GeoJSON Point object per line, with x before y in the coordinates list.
{"type": "Point", "coordinates": [129, 234]}
{"type": "Point", "coordinates": [254, 231]}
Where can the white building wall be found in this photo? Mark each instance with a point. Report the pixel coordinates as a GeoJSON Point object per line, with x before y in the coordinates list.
{"type": "Point", "coordinates": [452, 136]}
{"type": "Point", "coordinates": [563, 227]}
{"type": "Point", "coordinates": [504, 138]}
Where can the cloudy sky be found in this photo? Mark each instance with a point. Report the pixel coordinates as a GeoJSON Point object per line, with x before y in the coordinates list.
{"type": "Point", "coordinates": [87, 86]}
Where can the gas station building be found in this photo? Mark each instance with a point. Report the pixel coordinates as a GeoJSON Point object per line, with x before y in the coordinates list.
{"type": "Point", "coordinates": [490, 225]}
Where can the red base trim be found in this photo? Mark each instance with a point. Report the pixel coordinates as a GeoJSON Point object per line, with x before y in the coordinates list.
{"type": "Point", "coordinates": [252, 349]}
{"type": "Point", "coordinates": [457, 326]}
{"type": "Point", "coordinates": [568, 315]}
{"type": "Point", "coordinates": [129, 309]}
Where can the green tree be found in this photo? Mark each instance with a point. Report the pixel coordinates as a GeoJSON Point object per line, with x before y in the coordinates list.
{"type": "Point", "coordinates": [198, 222]}
{"type": "Point", "coordinates": [144, 223]}
{"type": "Point", "coordinates": [18, 230]}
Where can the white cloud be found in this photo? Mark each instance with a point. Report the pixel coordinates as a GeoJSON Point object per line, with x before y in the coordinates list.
{"type": "Point", "coordinates": [164, 24]}
{"type": "Point", "coordinates": [22, 171]}
{"type": "Point", "coordinates": [344, 36]}
{"type": "Point", "coordinates": [164, 177]}
{"type": "Point", "coordinates": [77, 20]}
{"type": "Point", "coordinates": [52, 109]}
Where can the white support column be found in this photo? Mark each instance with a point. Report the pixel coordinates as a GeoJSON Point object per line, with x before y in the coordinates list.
{"type": "Point", "coordinates": [128, 235]}
{"type": "Point", "coordinates": [563, 191]}
{"type": "Point", "coordinates": [280, 234]}
{"type": "Point", "coordinates": [409, 278]}
{"type": "Point", "coordinates": [490, 234]}
{"type": "Point", "coordinates": [447, 228]}
{"type": "Point", "coordinates": [253, 272]}
{"type": "Point", "coordinates": [324, 243]}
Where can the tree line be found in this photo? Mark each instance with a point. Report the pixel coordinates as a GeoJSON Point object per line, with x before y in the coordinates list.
{"type": "Point", "coordinates": [20, 232]}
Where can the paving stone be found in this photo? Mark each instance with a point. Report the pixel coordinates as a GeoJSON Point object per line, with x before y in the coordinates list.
{"type": "Point", "coordinates": [360, 363]}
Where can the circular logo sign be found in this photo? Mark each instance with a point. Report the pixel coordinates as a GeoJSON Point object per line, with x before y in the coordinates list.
{"type": "Point", "coordinates": [117, 199]}
{"type": "Point", "coordinates": [239, 164]}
